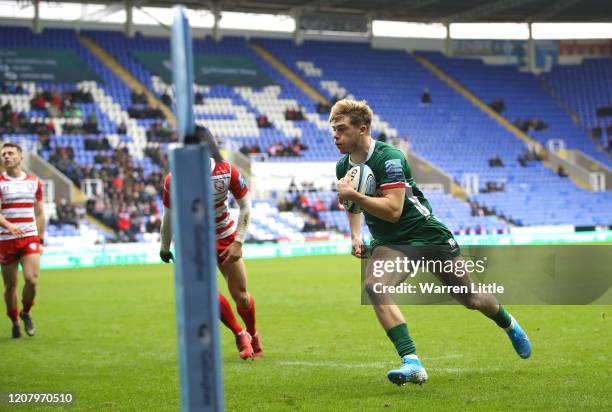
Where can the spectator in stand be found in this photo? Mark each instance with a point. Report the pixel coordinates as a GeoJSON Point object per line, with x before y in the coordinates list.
{"type": "Point", "coordinates": [38, 102]}
{"type": "Point", "coordinates": [293, 114]}
{"type": "Point", "coordinates": [292, 189]}
{"type": "Point", "coordinates": [303, 203]}
{"type": "Point", "coordinates": [198, 98]}
{"type": "Point", "coordinates": [322, 108]}
{"type": "Point", "coordinates": [318, 205]}
{"type": "Point", "coordinates": [296, 147]}
{"type": "Point", "coordinates": [561, 172]}
{"type": "Point", "coordinates": [276, 149]}
{"type": "Point", "coordinates": [244, 149]}
{"type": "Point", "coordinates": [426, 97]}
{"type": "Point", "coordinates": [498, 105]}
{"type": "Point", "coordinates": [263, 122]}
{"type": "Point", "coordinates": [496, 162]}
{"type": "Point", "coordinates": [138, 97]}
{"type": "Point", "coordinates": [45, 142]}
{"type": "Point", "coordinates": [166, 99]}
{"type": "Point", "coordinates": [255, 148]}
{"type": "Point", "coordinates": [121, 128]}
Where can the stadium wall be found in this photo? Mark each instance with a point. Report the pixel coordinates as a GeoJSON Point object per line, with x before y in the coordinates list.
{"type": "Point", "coordinates": [141, 253]}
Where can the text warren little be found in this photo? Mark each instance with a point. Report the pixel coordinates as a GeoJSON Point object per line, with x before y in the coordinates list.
{"type": "Point", "coordinates": [433, 289]}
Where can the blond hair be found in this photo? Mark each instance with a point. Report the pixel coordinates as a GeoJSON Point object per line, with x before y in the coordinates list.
{"type": "Point", "coordinates": [358, 111]}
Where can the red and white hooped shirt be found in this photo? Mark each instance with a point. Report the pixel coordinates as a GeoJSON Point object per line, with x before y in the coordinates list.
{"type": "Point", "coordinates": [18, 196]}
{"type": "Point", "coordinates": [225, 177]}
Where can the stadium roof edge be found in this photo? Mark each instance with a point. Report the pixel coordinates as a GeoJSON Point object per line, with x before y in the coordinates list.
{"type": "Point", "coordinates": [446, 11]}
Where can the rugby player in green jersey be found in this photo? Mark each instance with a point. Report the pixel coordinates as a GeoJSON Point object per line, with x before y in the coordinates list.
{"type": "Point", "coordinates": [401, 216]}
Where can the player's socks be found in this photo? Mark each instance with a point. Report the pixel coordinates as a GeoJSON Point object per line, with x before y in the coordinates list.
{"type": "Point", "coordinates": [227, 315]}
{"type": "Point", "coordinates": [401, 339]}
{"type": "Point", "coordinates": [13, 314]}
{"type": "Point", "coordinates": [248, 316]}
{"type": "Point", "coordinates": [411, 371]}
{"type": "Point", "coordinates": [27, 306]}
{"type": "Point", "coordinates": [502, 317]}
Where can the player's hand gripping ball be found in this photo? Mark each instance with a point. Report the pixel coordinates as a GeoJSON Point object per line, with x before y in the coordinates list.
{"type": "Point", "coordinates": [363, 181]}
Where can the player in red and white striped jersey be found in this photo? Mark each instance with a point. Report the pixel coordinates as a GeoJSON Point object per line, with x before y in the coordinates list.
{"type": "Point", "coordinates": [22, 227]}
{"type": "Point", "coordinates": [230, 237]}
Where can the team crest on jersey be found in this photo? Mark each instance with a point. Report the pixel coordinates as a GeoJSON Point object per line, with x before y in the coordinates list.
{"type": "Point", "coordinates": [393, 167]}
{"type": "Point", "coordinates": [219, 185]}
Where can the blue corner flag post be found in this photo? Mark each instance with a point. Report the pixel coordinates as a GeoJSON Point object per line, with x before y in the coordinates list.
{"type": "Point", "coordinates": [197, 308]}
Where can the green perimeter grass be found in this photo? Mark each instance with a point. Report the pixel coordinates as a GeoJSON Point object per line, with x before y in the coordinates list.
{"type": "Point", "coordinates": [108, 335]}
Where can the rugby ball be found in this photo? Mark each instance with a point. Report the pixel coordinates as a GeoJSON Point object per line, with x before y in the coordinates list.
{"type": "Point", "coordinates": [362, 179]}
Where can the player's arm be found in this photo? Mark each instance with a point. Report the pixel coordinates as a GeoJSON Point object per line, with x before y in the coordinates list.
{"type": "Point", "coordinates": [240, 191]}
{"type": "Point", "coordinates": [388, 207]}
{"type": "Point", "coordinates": [244, 218]}
{"type": "Point", "coordinates": [39, 212]}
{"type": "Point", "coordinates": [165, 231]}
{"type": "Point", "coordinates": [355, 227]}
{"type": "Point", "coordinates": [13, 229]}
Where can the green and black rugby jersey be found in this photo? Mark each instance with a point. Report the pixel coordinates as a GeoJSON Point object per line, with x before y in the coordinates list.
{"type": "Point", "coordinates": [391, 170]}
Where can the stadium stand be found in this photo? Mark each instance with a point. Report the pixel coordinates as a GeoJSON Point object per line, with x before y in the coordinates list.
{"type": "Point", "coordinates": [448, 131]}
{"type": "Point", "coordinates": [525, 98]}
{"type": "Point", "coordinates": [586, 89]}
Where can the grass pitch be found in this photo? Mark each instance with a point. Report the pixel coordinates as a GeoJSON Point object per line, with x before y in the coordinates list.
{"type": "Point", "coordinates": [108, 335]}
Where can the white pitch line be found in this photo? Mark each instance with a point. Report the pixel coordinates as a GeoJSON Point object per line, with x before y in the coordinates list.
{"type": "Point", "coordinates": [372, 365]}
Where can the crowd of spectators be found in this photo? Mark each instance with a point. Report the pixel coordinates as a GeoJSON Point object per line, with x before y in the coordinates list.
{"type": "Point", "coordinates": [291, 149]}
{"type": "Point", "coordinates": [299, 202]}
{"type": "Point", "coordinates": [13, 122]}
{"type": "Point", "coordinates": [160, 132]}
{"type": "Point", "coordinates": [65, 214]}
{"type": "Point", "coordinates": [140, 108]}
{"type": "Point", "coordinates": [531, 124]}
{"type": "Point", "coordinates": [128, 203]}
{"type": "Point", "coordinates": [248, 150]}
{"type": "Point", "coordinates": [58, 105]}
{"type": "Point", "coordinates": [494, 186]}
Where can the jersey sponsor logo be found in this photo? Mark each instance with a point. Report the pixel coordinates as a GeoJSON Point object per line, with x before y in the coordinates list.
{"type": "Point", "coordinates": [219, 185]}
{"type": "Point", "coordinates": [393, 167]}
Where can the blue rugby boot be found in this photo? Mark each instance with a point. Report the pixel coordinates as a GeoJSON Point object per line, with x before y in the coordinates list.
{"type": "Point", "coordinates": [411, 371]}
{"type": "Point", "coordinates": [519, 339]}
